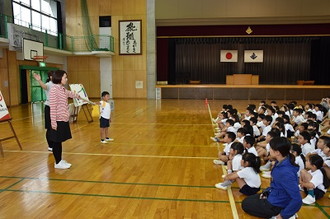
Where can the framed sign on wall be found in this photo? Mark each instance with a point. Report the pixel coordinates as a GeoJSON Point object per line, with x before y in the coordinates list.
{"type": "Point", "coordinates": [130, 37]}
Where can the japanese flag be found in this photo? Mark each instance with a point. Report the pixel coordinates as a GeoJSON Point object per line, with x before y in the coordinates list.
{"type": "Point", "coordinates": [228, 55]}
{"type": "Point", "coordinates": [253, 56]}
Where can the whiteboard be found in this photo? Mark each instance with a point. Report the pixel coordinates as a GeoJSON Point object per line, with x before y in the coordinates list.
{"type": "Point", "coordinates": [79, 89]}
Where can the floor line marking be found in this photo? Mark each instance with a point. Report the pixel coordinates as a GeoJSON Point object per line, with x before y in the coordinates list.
{"type": "Point", "coordinates": [231, 198]}
{"type": "Point", "coordinates": [117, 196]}
{"type": "Point", "coordinates": [107, 182]}
{"type": "Point", "coordinates": [113, 155]}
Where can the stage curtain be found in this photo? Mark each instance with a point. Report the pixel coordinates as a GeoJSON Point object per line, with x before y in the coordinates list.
{"type": "Point", "coordinates": [286, 59]}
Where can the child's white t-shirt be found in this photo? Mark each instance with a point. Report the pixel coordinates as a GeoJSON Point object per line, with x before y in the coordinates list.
{"type": "Point", "coordinates": [307, 148]}
{"type": "Point", "coordinates": [319, 115]}
{"type": "Point", "coordinates": [317, 179]}
{"type": "Point", "coordinates": [261, 125]}
{"type": "Point", "coordinates": [237, 162]}
{"type": "Point", "coordinates": [298, 119]}
{"type": "Point", "coordinates": [237, 125]}
{"type": "Point", "coordinates": [231, 129]}
{"type": "Point", "coordinates": [327, 161]}
{"type": "Point", "coordinates": [105, 110]}
{"type": "Point", "coordinates": [227, 148]}
{"type": "Point", "coordinates": [320, 153]}
{"type": "Point", "coordinates": [267, 147]}
{"type": "Point", "coordinates": [253, 151]}
{"type": "Point", "coordinates": [240, 139]}
{"type": "Point", "coordinates": [256, 131]}
{"type": "Point", "coordinates": [288, 127]}
{"type": "Point", "coordinates": [266, 130]}
{"type": "Point", "coordinates": [250, 177]}
{"type": "Point", "coordinates": [299, 161]}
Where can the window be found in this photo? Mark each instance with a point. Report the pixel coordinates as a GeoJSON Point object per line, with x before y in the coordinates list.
{"type": "Point", "coordinates": [40, 15]}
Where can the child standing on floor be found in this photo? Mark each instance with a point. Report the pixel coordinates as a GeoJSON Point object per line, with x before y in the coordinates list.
{"type": "Point", "coordinates": [105, 117]}
{"type": "Point", "coordinates": [314, 181]}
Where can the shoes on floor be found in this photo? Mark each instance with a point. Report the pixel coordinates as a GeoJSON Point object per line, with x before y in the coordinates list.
{"type": "Point", "coordinates": [109, 139]}
{"type": "Point", "coordinates": [266, 174]}
{"type": "Point", "coordinates": [62, 165]}
{"type": "Point", "coordinates": [50, 149]}
{"type": "Point", "coordinates": [308, 200]}
{"type": "Point", "coordinates": [104, 142]}
{"type": "Point", "coordinates": [218, 162]}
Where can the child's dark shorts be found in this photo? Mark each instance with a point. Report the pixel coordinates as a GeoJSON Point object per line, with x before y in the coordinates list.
{"type": "Point", "coordinates": [247, 190]}
{"type": "Point", "coordinates": [104, 123]}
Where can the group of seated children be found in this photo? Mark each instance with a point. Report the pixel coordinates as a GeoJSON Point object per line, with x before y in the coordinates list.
{"type": "Point", "coordinates": [246, 145]}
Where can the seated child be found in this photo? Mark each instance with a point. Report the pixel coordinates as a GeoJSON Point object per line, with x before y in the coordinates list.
{"type": "Point", "coordinates": [234, 164]}
{"type": "Point", "coordinates": [224, 156]}
{"type": "Point", "coordinates": [299, 158]}
{"type": "Point", "coordinates": [256, 131]}
{"type": "Point", "coordinates": [248, 179]}
{"type": "Point", "coordinates": [314, 181]}
{"type": "Point", "coordinates": [248, 144]}
{"type": "Point", "coordinates": [303, 139]}
{"type": "Point", "coordinates": [229, 128]}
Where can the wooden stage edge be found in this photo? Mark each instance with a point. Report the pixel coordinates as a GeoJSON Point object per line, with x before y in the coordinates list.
{"type": "Point", "coordinates": [243, 92]}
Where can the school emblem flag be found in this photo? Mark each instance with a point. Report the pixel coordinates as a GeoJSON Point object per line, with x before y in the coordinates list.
{"type": "Point", "coordinates": [4, 114]}
{"type": "Point", "coordinates": [253, 56]}
{"type": "Point", "coordinates": [228, 55]}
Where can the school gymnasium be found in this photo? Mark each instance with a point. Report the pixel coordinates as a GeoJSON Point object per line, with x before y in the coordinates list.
{"type": "Point", "coordinates": [169, 67]}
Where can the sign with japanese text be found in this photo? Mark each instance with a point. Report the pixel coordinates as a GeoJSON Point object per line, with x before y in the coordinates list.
{"type": "Point", "coordinates": [130, 37]}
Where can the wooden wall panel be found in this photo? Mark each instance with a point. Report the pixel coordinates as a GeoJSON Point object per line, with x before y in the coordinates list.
{"type": "Point", "coordinates": [14, 84]}
{"type": "Point", "coordinates": [126, 69]}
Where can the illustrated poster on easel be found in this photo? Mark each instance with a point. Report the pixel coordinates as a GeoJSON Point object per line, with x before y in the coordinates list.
{"type": "Point", "coordinates": [79, 89]}
{"type": "Point", "coordinates": [4, 114]}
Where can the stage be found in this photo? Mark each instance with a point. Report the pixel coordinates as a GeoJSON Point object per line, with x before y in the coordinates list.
{"type": "Point", "coordinates": [243, 92]}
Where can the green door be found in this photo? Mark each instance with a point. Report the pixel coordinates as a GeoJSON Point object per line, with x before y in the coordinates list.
{"type": "Point", "coordinates": [37, 93]}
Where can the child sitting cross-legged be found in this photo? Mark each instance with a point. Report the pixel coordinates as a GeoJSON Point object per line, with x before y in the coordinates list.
{"type": "Point", "coordinates": [223, 157]}
{"type": "Point", "coordinates": [314, 181]}
{"type": "Point", "coordinates": [248, 179]}
{"type": "Point", "coordinates": [234, 163]}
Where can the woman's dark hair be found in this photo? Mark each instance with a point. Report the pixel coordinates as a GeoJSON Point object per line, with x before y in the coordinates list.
{"type": "Point", "coordinates": [237, 146]}
{"type": "Point", "coordinates": [283, 146]}
{"type": "Point", "coordinates": [49, 74]}
{"type": "Point", "coordinates": [253, 161]}
{"type": "Point", "coordinates": [296, 148]}
{"type": "Point", "coordinates": [317, 160]}
{"type": "Point", "coordinates": [57, 76]}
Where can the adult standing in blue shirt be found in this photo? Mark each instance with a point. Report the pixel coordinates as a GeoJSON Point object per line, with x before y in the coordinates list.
{"type": "Point", "coordinates": [282, 199]}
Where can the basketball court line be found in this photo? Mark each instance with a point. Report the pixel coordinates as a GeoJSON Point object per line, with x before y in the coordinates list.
{"type": "Point", "coordinates": [112, 155]}
{"type": "Point", "coordinates": [320, 207]}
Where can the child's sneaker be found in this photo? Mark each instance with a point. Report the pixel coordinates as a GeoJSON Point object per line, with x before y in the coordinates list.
{"type": "Point", "coordinates": [220, 186]}
{"type": "Point", "coordinates": [215, 139]}
{"type": "Point", "coordinates": [61, 165]}
{"type": "Point", "coordinates": [308, 200]}
{"type": "Point", "coordinates": [104, 142]}
{"type": "Point", "coordinates": [218, 162]}
{"type": "Point", "coordinates": [50, 149]}
{"type": "Point", "coordinates": [223, 185]}
{"type": "Point", "coordinates": [266, 174]}
{"type": "Point", "coordinates": [109, 139]}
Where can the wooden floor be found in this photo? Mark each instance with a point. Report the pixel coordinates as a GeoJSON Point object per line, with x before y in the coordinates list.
{"type": "Point", "coordinates": [159, 166]}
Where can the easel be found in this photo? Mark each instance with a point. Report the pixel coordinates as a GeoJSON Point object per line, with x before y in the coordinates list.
{"type": "Point", "coordinates": [14, 136]}
{"type": "Point", "coordinates": [87, 113]}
